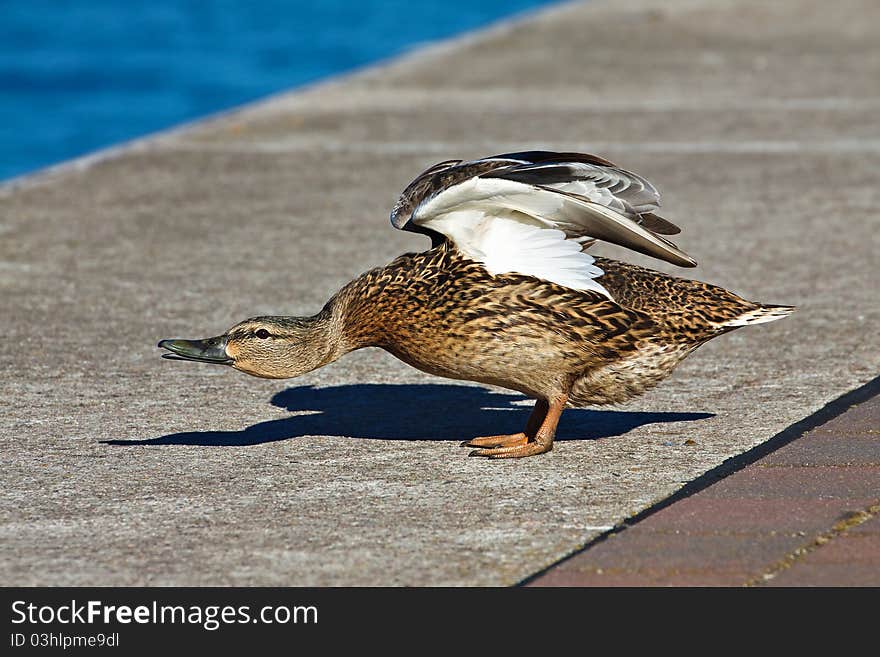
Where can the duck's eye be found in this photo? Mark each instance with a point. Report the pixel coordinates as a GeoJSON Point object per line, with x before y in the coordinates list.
{"type": "Point", "coordinates": [262, 333]}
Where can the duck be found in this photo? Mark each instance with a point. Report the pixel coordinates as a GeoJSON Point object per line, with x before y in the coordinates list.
{"type": "Point", "coordinates": [509, 294]}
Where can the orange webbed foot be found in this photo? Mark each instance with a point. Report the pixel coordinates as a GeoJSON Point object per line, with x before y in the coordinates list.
{"type": "Point", "coordinates": [514, 451]}
{"type": "Point", "coordinates": [507, 440]}
{"type": "Point", "coordinates": [536, 439]}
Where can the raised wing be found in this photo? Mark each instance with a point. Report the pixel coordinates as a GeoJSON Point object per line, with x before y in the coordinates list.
{"type": "Point", "coordinates": [522, 211]}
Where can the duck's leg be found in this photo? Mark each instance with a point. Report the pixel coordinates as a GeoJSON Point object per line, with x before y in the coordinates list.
{"type": "Point", "coordinates": [539, 412]}
{"type": "Point", "coordinates": [540, 443]}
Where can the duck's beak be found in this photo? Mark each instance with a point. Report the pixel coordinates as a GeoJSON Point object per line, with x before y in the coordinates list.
{"type": "Point", "coordinates": [211, 350]}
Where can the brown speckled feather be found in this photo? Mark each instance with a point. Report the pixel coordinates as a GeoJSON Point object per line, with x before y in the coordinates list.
{"type": "Point", "coordinates": [685, 310]}
{"type": "Point", "coordinates": [444, 314]}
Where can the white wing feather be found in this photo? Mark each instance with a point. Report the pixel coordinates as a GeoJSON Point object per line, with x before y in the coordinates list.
{"type": "Point", "coordinates": [514, 242]}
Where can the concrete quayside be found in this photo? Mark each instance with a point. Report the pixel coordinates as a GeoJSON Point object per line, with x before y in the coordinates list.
{"type": "Point", "coordinates": [758, 123]}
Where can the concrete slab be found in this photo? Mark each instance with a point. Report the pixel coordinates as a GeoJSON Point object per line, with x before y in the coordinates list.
{"type": "Point", "coordinates": [755, 119]}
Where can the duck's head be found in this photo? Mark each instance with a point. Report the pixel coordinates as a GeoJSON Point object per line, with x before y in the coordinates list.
{"type": "Point", "coordinates": [269, 347]}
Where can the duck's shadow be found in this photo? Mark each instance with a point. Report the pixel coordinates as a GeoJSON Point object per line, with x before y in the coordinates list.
{"type": "Point", "coordinates": [410, 412]}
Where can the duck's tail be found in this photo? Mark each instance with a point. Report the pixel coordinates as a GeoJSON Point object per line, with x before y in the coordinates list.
{"type": "Point", "coordinates": [763, 313]}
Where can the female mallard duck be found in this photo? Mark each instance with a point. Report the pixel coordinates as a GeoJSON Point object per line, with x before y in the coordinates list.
{"type": "Point", "coordinates": [508, 296]}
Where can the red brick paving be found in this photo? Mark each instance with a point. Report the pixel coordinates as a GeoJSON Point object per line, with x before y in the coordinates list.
{"type": "Point", "coordinates": [871, 526]}
{"type": "Point", "coordinates": [806, 514]}
{"type": "Point", "coordinates": [744, 515]}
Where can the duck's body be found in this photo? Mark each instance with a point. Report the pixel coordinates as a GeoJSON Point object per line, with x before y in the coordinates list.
{"type": "Point", "coordinates": [503, 300]}
{"type": "Point", "coordinates": [444, 314]}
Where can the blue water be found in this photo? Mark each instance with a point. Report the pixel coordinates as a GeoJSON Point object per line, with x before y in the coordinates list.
{"type": "Point", "coordinates": [77, 75]}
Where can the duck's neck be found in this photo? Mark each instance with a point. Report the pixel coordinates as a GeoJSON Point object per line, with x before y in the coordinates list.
{"type": "Point", "coordinates": [318, 340]}
{"type": "Point", "coordinates": [353, 318]}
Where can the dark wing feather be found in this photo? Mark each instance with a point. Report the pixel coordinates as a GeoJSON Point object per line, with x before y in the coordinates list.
{"type": "Point", "coordinates": [434, 181]}
{"type": "Point", "coordinates": [539, 157]}
{"type": "Point", "coordinates": [596, 179]}
{"type": "Point", "coordinates": [658, 224]}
